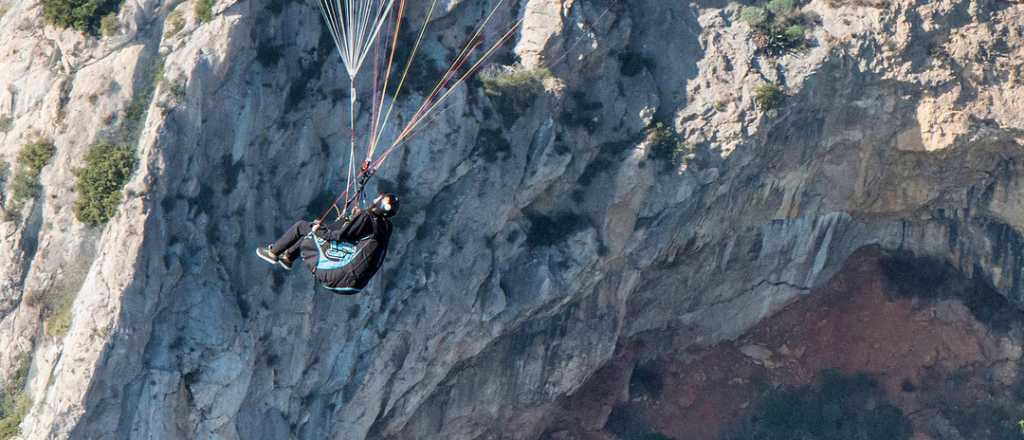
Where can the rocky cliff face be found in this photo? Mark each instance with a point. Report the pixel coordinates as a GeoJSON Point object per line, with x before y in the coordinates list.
{"type": "Point", "coordinates": [518, 270]}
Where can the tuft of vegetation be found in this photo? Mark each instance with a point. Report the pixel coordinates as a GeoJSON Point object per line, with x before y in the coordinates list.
{"type": "Point", "coordinates": [31, 159]}
{"type": "Point", "coordinates": [58, 320]}
{"type": "Point", "coordinates": [82, 15]}
{"type": "Point", "coordinates": [107, 169]}
{"type": "Point", "coordinates": [3, 10]}
{"type": "Point", "coordinates": [23, 188]}
{"type": "Point", "coordinates": [204, 10]}
{"type": "Point", "coordinates": [174, 23]}
{"type": "Point", "coordinates": [665, 145]}
{"type": "Point", "coordinates": [34, 156]}
{"type": "Point", "coordinates": [175, 87]}
{"type": "Point", "coordinates": [109, 26]}
{"type": "Point", "coordinates": [779, 28]}
{"type": "Point", "coordinates": [14, 403]}
{"type": "Point", "coordinates": [861, 3]}
{"type": "Point", "coordinates": [6, 122]}
{"type": "Point", "coordinates": [768, 97]}
{"type": "Point", "coordinates": [754, 16]}
{"type": "Point", "coordinates": [838, 407]}
{"type": "Point", "coordinates": [136, 111]}
{"type": "Point", "coordinates": [513, 89]}
{"type": "Point", "coordinates": [5, 174]}
{"type": "Point", "coordinates": [957, 397]}
{"type": "Point", "coordinates": [13, 408]}
{"type": "Point", "coordinates": [781, 8]}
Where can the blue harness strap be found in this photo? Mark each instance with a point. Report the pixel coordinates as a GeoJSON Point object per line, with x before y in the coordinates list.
{"type": "Point", "coordinates": [334, 255]}
{"type": "Point", "coordinates": [343, 290]}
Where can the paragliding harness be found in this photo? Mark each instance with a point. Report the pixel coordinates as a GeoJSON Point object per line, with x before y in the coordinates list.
{"type": "Point", "coordinates": [334, 255]}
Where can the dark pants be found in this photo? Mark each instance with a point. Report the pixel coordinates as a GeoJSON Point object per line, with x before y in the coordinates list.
{"type": "Point", "coordinates": [288, 245]}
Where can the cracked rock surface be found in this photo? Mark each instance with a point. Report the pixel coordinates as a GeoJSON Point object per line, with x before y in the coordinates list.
{"type": "Point", "coordinates": [517, 270]}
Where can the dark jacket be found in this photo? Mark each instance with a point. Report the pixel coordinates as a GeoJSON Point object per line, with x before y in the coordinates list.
{"type": "Point", "coordinates": [370, 235]}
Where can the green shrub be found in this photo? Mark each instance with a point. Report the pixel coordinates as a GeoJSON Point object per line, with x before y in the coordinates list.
{"type": "Point", "coordinates": [107, 169]}
{"type": "Point", "coordinates": [58, 321]}
{"type": "Point", "coordinates": [137, 109]}
{"type": "Point", "coordinates": [3, 10]}
{"type": "Point", "coordinates": [753, 15]}
{"type": "Point", "coordinates": [31, 159]}
{"type": "Point", "coordinates": [838, 407]}
{"type": "Point", "coordinates": [34, 156]}
{"type": "Point", "coordinates": [204, 10]}
{"type": "Point", "coordinates": [174, 23]}
{"type": "Point", "coordinates": [14, 404]}
{"type": "Point", "coordinates": [177, 88]}
{"type": "Point", "coordinates": [861, 3]}
{"type": "Point", "coordinates": [109, 26]}
{"type": "Point", "coordinates": [6, 213]}
{"type": "Point", "coordinates": [506, 79]}
{"type": "Point", "coordinates": [666, 145]}
{"type": "Point", "coordinates": [778, 27]}
{"type": "Point", "coordinates": [779, 39]}
{"type": "Point", "coordinates": [14, 408]}
{"type": "Point", "coordinates": [768, 96]}
{"type": "Point", "coordinates": [781, 8]}
{"type": "Point", "coordinates": [19, 378]}
{"type": "Point", "coordinates": [6, 122]}
{"type": "Point", "coordinates": [82, 15]}
{"type": "Point", "coordinates": [514, 88]}
{"type": "Point", "coordinates": [795, 34]}
{"type": "Point", "coordinates": [23, 188]}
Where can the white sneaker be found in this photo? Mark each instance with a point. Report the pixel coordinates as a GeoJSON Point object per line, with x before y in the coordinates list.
{"type": "Point", "coordinates": [266, 254]}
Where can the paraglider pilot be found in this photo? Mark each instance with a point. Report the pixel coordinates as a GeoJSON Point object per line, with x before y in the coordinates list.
{"type": "Point", "coordinates": [344, 256]}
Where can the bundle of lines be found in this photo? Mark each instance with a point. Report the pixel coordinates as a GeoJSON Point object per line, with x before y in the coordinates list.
{"type": "Point", "coordinates": [360, 29]}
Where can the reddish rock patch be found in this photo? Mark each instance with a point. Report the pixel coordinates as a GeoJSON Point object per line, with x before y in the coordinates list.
{"type": "Point", "coordinates": [949, 373]}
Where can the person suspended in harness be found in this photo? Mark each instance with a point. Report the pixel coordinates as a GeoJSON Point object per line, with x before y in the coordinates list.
{"type": "Point", "coordinates": [344, 256]}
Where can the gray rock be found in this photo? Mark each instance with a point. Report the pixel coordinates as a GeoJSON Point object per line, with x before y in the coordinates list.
{"type": "Point", "coordinates": [511, 281]}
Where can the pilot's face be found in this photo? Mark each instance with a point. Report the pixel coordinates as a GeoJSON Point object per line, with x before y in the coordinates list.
{"type": "Point", "coordinates": [383, 202]}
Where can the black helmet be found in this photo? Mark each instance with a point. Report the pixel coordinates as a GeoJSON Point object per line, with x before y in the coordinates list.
{"type": "Point", "coordinates": [385, 205]}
